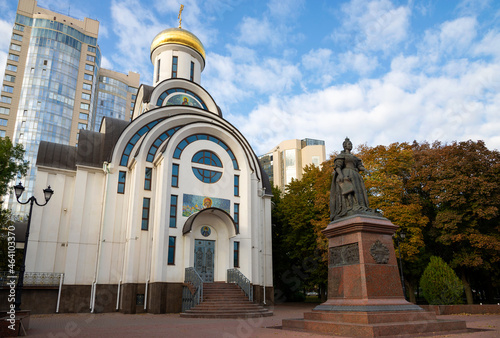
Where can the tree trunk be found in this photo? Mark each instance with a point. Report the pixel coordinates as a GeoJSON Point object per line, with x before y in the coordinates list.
{"type": "Point", "coordinates": [410, 290]}
{"type": "Point", "coordinates": [468, 290]}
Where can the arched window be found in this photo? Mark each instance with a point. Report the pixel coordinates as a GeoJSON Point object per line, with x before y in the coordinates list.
{"type": "Point", "coordinates": [207, 158]}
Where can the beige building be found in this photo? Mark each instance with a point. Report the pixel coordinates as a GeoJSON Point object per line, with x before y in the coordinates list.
{"type": "Point", "coordinates": [287, 160]}
{"type": "Point", "coordinates": [54, 85]}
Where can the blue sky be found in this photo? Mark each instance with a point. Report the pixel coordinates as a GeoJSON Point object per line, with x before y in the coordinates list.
{"type": "Point", "coordinates": [377, 71]}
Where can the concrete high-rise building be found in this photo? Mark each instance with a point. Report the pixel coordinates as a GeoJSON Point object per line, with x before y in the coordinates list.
{"type": "Point", "coordinates": [287, 160]}
{"type": "Point", "coordinates": [54, 85]}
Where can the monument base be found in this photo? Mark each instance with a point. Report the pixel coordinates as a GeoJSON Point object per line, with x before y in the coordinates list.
{"type": "Point", "coordinates": [374, 323]}
{"type": "Point", "coordinates": [365, 295]}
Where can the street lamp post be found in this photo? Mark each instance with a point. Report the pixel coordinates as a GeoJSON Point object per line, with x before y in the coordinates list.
{"type": "Point", "coordinates": [403, 235]}
{"type": "Point", "coordinates": [19, 189]}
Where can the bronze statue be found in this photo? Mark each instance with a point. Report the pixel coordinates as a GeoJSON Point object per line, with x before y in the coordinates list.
{"type": "Point", "coordinates": [348, 193]}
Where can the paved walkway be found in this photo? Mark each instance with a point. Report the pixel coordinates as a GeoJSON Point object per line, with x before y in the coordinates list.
{"type": "Point", "coordinates": [172, 325]}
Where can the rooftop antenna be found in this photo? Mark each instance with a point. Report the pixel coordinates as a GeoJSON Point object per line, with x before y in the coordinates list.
{"type": "Point", "coordinates": [180, 15]}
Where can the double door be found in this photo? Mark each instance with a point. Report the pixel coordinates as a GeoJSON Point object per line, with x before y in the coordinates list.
{"type": "Point", "coordinates": [204, 252]}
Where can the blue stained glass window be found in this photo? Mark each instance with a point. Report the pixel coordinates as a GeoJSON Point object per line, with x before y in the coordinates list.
{"type": "Point", "coordinates": [134, 139]}
{"type": "Point", "coordinates": [121, 181]}
{"type": "Point", "coordinates": [145, 214]}
{"type": "Point", "coordinates": [173, 211]}
{"type": "Point", "coordinates": [237, 217]}
{"type": "Point", "coordinates": [236, 185]}
{"type": "Point", "coordinates": [180, 147]}
{"type": "Point", "coordinates": [175, 175]}
{"type": "Point", "coordinates": [236, 256]}
{"type": "Point", "coordinates": [171, 250]}
{"type": "Point", "coordinates": [147, 178]}
{"type": "Point", "coordinates": [207, 176]}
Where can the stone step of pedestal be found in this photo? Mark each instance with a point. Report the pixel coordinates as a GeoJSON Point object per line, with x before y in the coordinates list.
{"type": "Point", "coordinates": [370, 317]}
{"type": "Point", "coordinates": [376, 330]}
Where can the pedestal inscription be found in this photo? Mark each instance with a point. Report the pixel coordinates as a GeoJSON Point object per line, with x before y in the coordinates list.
{"type": "Point", "coordinates": [344, 255]}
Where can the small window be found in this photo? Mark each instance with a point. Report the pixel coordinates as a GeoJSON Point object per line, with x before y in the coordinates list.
{"type": "Point", "coordinates": [90, 58]}
{"type": "Point", "coordinates": [171, 250]}
{"type": "Point", "coordinates": [236, 254]}
{"type": "Point", "coordinates": [191, 76]}
{"type": "Point", "coordinates": [175, 175]}
{"type": "Point", "coordinates": [237, 217]}
{"type": "Point", "coordinates": [18, 27]}
{"type": "Point", "coordinates": [147, 178]}
{"type": "Point", "coordinates": [9, 78]}
{"type": "Point", "coordinates": [82, 125]}
{"type": "Point", "coordinates": [87, 86]}
{"type": "Point", "coordinates": [15, 47]}
{"type": "Point", "coordinates": [2, 133]}
{"type": "Point", "coordinates": [145, 213]}
{"type": "Point", "coordinates": [6, 99]}
{"type": "Point", "coordinates": [158, 71]}
{"type": "Point", "coordinates": [91, 49]}
{"type": "Point", "coordinates": [86, 96]}
{"type": "Point", "coordinates": [8, 89]}
{"type": "Point", "coordinates": [17, 37]}
{"type": "Point", "coordinates": [174, 66]}
{"type": "Point", "coordinates": [84, 106]}
{"type": "Point", "coordinates": [45, 62]}
{"type": "Point", "coordinates": [236, 185]}
{"type": "Point", "coordinates": [121, 182]}
{"type": "Point", "coordinates": [12, 68]}
{"type": "Point", "coordinates": [88, 77]}
{"type": "Point", "coordinates": [173, 211]}
{"type": "Point", "coordinates": [89, 67]}
{"type": "Point", "coordinates": [13, 57]}
{"type": "Point", "coordinates": [3, 122]}
{"type": "Point", "coordinates": [84, 116]}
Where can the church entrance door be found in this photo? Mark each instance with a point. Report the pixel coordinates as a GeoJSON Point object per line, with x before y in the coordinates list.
{"type": "Point", "coordinates": [204, 251]}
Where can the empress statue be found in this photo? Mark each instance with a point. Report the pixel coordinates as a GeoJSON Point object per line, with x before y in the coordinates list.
{"type": "Point", "coordinates": [348, 193]}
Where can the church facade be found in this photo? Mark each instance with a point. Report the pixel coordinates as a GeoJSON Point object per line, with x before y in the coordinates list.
{"type": "Point", "coordinates": [139, 202]}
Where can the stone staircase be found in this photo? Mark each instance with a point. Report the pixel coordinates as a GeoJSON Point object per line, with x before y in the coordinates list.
{"type": "Point", "coordinates": [225, 300]}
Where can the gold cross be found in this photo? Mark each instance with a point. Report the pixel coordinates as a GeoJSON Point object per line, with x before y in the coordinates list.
{"type": "Point", "coordinates": [179, 16]}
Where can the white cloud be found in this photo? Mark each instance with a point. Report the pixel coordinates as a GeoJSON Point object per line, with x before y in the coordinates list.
{"type": "Point", "coordinates": [456, 36]}
{"type": "Point", "coordinates": [401, 106]}
{"type": "Point", "coordinates": [373, 25]}
{"type": "Point", "coordinates": [358, 62]}
{"type": "Point", "coordinates": [256, 31]}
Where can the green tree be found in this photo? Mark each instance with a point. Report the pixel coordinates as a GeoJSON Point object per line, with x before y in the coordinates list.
{"type": "Point", "coordinates": [440, 285]}
{"type": "Point", "coordinates": [302, 265]}
{"type": "Point", "coordinates": [12, 163]}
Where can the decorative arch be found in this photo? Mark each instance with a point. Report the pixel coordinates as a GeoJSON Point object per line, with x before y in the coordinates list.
{"type": "Point", "coordinates": [159, 140]}
{"type": "Point", "coordinates": [133, 140]}
{"type": "Point", "coordinates": [197, 137]}
{"type": "Point", "coordinates": [180, 97]}
{"type": "Point", "coordinates": [233, 231]}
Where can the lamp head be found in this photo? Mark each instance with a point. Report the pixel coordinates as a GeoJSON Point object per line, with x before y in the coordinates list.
{"type": "Point", "coordinates": [18, 189]}
{"type": "Point", "coordinates": [48, 193]}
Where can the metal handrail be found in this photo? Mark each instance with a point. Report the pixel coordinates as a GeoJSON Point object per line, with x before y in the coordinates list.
{"type": "Point", "coordinates": [235, 276]}
{"type": "Point", "coordinates": [32, 278]}
{"type": "Point", "coordinates": [190, 299]}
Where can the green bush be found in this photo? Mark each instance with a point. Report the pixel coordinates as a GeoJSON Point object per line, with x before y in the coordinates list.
{"type": "Point", "coordinates": [440, 285]}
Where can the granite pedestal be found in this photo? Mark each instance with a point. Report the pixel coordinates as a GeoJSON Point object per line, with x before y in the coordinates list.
{"type": "Point", "coordinates": [365, 295]}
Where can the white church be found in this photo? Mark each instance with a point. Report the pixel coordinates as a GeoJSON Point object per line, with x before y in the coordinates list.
{"type": "Point", "coordinates": [140, 203]}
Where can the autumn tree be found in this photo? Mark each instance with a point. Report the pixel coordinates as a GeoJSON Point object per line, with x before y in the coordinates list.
{"type": "Point", "coordinates": [458, 186]}
{"type": "Point", "coordinates": [390, 168]}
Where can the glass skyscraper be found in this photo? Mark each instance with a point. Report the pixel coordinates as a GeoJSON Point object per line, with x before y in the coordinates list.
{"type": "Point", "coordinates": [54, 85]}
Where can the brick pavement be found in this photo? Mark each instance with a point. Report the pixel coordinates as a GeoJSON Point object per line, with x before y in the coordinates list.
{"type": "Point", "coordinates": [172, 325]}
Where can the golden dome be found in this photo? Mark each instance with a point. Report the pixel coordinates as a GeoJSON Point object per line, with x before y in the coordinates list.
{"type": "Point", "coordinates": [179, 36]}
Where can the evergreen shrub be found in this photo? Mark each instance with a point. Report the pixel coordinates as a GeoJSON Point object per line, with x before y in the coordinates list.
{"type": "Point", "coordinates": [440, 284]}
